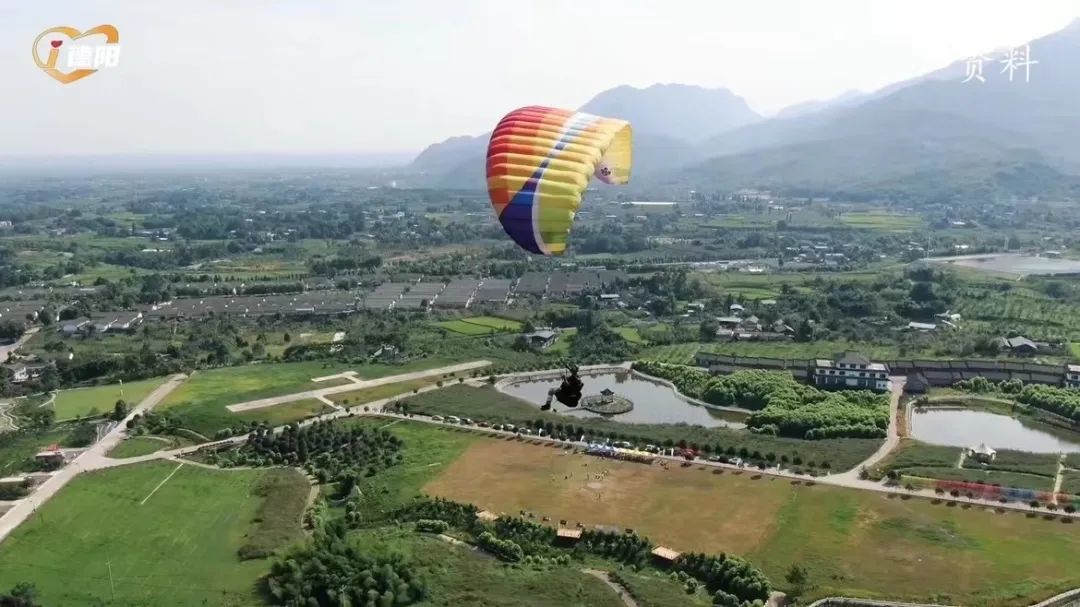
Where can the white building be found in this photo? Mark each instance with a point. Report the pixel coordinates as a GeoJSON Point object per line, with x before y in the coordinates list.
{"type": "Point", "coordinates": [1072, 376]}
{"type": "Point", "coordinates": [851, 371]}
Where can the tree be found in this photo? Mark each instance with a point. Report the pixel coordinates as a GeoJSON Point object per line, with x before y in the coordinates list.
{"type": "Point", "coordinates": [798, 579]}
{"type": "Point", "coordinates": [22, 594]}
{"type": "Point", "coordinates": [286, 338]}
{"type": "Point", "coordinates": [120, 410]}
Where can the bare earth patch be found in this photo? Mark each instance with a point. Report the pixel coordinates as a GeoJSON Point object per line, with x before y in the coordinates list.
{"type": "Point", "coordinates": [681, 507]}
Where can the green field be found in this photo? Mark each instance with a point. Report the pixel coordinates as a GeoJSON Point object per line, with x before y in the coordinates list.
{"type": "Point", "coordinates": [853, 543]}
{"type": "Point", "coordinates": [480, 325]}
{"type": "Point", "coordinates": [881, 220]}
{"type": "Point", "coordinates": [1014, 469]}
{"type": "Point", "coordinates": [366, 395]}
{"type": "Point", "coordinates": [145, 445]}
{"type": "Point", "coordinates": [630, 334]}
{"type": "Point", "coordinates": [459, 576]}
{"type": "Point", "coordinates": [1070, 482]}
{"type": "Point", "coordinates": [675, 354]}
{"type": "Point", "coordinates": [81, 402]}
{"type": "Point", "coordinates": [200, 402]}
{"type": "Point", "coordinates": [177, 546]}
{"type": "Point", "coordinates": [279, 415]}
{"type": "Point", "coordinates": [802, 350]}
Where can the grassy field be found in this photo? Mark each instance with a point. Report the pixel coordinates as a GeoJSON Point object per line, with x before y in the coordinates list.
{"type": "Point", "coordinates": [145, 445]}
{"type": "Point", "coordinates": [1015, 468]}
{"type": "Point", "coordinates": [675, 354]}
{"type": "Point", "coordinates": [366, 395]}
{"type": "Point", "coordinates": [480, 325]}
{"type": "Point", "coordinates": [459, 576]}
{"type": "Point", "coordinates": [881, 220]}
{"type": "Point", "coordinates": [652, 589]}
{"type": "Point", "coordinates": [630, 334]}
{"type": "Point", "coordinates": [853, 543]}
{"type": "Point", "coordinates": [200, 402]}
{"type": "Point", "coordinates": [494, 406]}
{"type": "Point", "coordinates": [279, 415]}
{"type": "Point", "coordinates": [1070, 482]}
{"type": "Point", "coordinates": [800, 350]}
{"type": "Point", "coordinates": [81, 402]}
{"type": "Point", "coordinates": [1039, 464]}
{"type": "Point", "coordinates": [173, 546]}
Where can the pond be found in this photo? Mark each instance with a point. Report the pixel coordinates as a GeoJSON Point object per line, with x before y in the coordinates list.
{"type": "Point", "coordinates": [654, 403]}
{"type": "Point", "coordinates": [957, 427]}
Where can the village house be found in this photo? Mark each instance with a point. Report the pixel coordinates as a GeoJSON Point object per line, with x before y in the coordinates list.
{"type": "Point", "coordinates": [1072, 376]}
{"type": "Point", "coordinates": [541, 339]}
{"type": "Point", "coordinates": [851, 371]}
{"type": "Point", "coordinates": [1020, 346]}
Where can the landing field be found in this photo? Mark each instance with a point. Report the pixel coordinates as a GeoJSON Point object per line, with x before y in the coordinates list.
{"type": "Point", "coordinates": [173, 546]}
{"type": "Point", "coordinates": [854, 543]}
{"type": "Point", "coordinates": [70, 404]}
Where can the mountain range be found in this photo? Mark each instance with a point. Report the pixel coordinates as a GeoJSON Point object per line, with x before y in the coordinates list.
{"type": "Point", "coordinates": [935, 136]}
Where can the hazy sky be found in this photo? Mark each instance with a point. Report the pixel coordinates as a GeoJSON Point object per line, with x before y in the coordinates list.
{"type": "Point", "coordinates": [321, 76]}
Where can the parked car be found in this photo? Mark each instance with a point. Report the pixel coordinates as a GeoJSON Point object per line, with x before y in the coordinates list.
{"type": "Point", "coordinates": [436, 418]}
{"type": "Point", "coordinates": [453, 419]}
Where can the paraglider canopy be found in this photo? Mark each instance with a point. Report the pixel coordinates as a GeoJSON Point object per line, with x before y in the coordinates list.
{"type": "Point", "coordinates": [539, 162]}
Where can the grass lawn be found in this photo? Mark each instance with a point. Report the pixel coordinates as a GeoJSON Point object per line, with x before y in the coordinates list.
{"type": "Point", "coordinates": [654, 589]}
{"type": "Point", "coordinates": [800, 350]}
{"type": "Point", "coordinates": [279, 415]}
{"type": "Point", "coordinates": [563, 341]}
{"type": "Point", "coordinates": [675, 354]}
{"type": "Point", "coordinates": [81, 402]}
{"type": "Point", "coordinates": [1070, 482]}
{"type": "Point", "coordinates": [177, 546]}
{"type": "Point", "coordinates": [145, 445]}
{"type": "Point", "coordinates": [466, 328]}
{"type": "Point", "coordinates": [630, 334]}
{"type": "Point", "coordinates": [366, 395]}
{"type": "Point", "coordinates": [427, 454]}
{"type": "Point", "coordinates": [480, 325]}
{"type": "Point", "coordinates": [854, 543]}
{"type": "Point", "coordinates": [456, 575]}
{"type": "Point", "coordinates": [1074, 349]}
{"type": "Point", "coordinates": [200, 402]}
{"type": "Point", "coordinates": [881, 220]}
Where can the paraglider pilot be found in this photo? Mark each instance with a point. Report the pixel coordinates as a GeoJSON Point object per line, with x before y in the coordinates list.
{"type": "Point", "coordinates": [569, 392]}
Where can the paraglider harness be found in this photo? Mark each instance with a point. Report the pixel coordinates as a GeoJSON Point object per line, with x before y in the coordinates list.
{"type": "Point", "coordinates": [569, 392]}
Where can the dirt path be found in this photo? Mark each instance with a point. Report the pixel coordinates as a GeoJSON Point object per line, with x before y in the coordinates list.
{"type": "Point", "coordinates": [7, 421]}
{"type": "Point", "coordinates": [892, 437]}
{"type": "Point", "coordinates": [623, 593]}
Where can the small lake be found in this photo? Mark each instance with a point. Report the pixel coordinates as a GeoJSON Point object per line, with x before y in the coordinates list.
{"type": "Point", "coordinates": [654, 403]}
{"type": "Point", "coordinates": [957, 427]}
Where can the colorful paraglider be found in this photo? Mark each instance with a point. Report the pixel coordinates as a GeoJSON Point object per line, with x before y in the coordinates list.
{"type": "Point", "coordinates": [539, 162]}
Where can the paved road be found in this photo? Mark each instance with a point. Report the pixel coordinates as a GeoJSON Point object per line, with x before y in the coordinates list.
{"type": "Point", "coordinates": [91, 459]}
{"type": "Point", "coordinates": [892, 437]}
{"type": "Point", "coordinates": [5, 351]}
{"type": "Point", "coordinates": [359, 385]}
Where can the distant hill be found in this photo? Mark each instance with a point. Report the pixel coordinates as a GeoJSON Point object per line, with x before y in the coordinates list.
{"type": "Point", "coordinates": [926, 137]}
{"type": "Point", "coordinates": [921, 130]}
{"type": "Point", "coordinates": [678, 111]}
{"type": "Point", "coordinates": [667, 118]}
